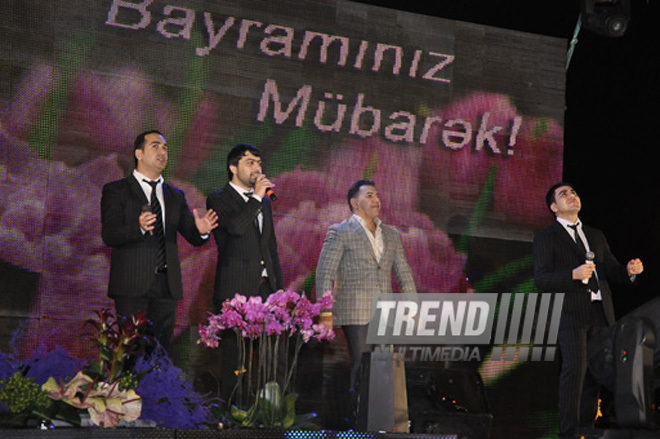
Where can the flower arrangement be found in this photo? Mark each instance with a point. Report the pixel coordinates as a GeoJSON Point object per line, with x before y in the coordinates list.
{"type": "Point", "coordinates": [121, 386]}
{"type": "Point", "coordinates": [105, 402]}
{"type": "Point", "coordinates": [104, 388]}
{"type": "Point", "coordinates": [266, 330]}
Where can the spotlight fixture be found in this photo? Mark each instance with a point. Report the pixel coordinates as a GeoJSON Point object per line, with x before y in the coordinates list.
{"type": "Point", "coordinates": [609, 18]}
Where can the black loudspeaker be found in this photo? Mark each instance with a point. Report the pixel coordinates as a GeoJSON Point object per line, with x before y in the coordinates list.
{"type": "Point", "coordinates": [634, 345]}
{"type": "Point", "coordinates": [448, 402]}
{"type": "Point", "coordinates": [625, 358]}
{"type": "Point", "coordinates": [381, 393]}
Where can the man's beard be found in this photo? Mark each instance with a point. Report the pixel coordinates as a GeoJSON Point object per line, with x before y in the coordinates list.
{"type": "Point", "coordinates": [253, 179]}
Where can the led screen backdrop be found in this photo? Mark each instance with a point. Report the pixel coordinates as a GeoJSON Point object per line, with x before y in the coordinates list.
{"type": "Point", "coordinates": [460, 125]}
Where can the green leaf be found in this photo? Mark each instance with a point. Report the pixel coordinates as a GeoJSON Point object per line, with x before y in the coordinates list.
{"type": "Point", "coordinates": [309, 282]}
{"type": "Point", "coordinates": [238, 415]}
{"type": "Point", "coordinates": [289, 416]}
{"type": "Point", "coordinates": [372, 165]}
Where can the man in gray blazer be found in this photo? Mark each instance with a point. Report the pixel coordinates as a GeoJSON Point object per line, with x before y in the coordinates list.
{"type": "Point", "coordinates": [359, 255]}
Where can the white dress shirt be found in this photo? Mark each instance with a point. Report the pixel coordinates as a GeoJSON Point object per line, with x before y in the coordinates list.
{"type": "Point", "coordinates": [377, 243]}
{"type": "Point", "coordinates": [146, 187]}
{"type": "Point", "coordinates": [567, 225]}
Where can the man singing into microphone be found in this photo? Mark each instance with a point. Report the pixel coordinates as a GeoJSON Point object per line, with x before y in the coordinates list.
{"type": "Point", "coordinates": [248, 263]}
{"type": "Point", "coordinates": [561, 265]}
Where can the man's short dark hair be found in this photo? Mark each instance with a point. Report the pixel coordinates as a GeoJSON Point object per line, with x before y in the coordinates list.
{"type": "Point", "coordinates": [140, 139]}
{"type": "Point", "coordinates": [355, 188]}
{"type": "Point", "coordinates": [550, 195]}
{"type": "Point", "coordinates": [236, 153]}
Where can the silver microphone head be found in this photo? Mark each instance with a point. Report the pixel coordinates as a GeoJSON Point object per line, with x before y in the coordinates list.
{"type": "Point", "coordinates": [590, 255]}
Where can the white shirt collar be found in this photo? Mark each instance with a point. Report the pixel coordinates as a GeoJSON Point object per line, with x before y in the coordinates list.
{"type": "Point", "coordinates": [140, 177]}
{"type": "Point", "coordinates": [566, 223]}
{"type": "Point", "coordinates": [240, 190]}
{"type": "Point", "coordinates": [363, 222]}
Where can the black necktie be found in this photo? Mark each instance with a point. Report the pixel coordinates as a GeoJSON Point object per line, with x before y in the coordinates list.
{"type": "Point", "coordinates": [593, 280]}
{"type": "Point", "coordinates": [256, 218]}
{"type": "Point", "coordinates": [578, 238]}
{"type": "Point", "coordinates": [158, 226]}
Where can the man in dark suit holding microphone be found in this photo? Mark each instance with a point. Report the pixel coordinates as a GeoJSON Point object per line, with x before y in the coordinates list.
{"type": "Point", "coordinates": [248, 263]}
{"type": "Point", "coordinates": [576, 260]}
{"type": "Point", "coordinates": [140, 218]}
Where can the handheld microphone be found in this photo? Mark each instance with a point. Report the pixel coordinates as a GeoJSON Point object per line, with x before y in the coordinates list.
{"type": "Point", "coordinates": [271, 194]}
{"type": "Point", "coordinates": [147, 208]}
{"type": "Point", "coordinates": [589, 259]}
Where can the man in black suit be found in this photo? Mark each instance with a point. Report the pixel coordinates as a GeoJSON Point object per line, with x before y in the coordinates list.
{"type": "Point", "coordinates": [145, 272]}
{"type": "Point", "coordinates": [248, 263]}
{"type": "Point", "coordinates": [561, 265]}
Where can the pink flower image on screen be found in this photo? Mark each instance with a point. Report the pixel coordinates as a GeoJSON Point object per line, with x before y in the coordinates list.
{"type": "Point", "coordinates": [54, 230]}
{"type": "Point", "coordinates": [34, 90]}
{"type": "Point", "coordinates": [107, 112]}
{"type": "Point", "coordinates": [521, 177]}
{"type": "Point", "coordinates": [521, 186]}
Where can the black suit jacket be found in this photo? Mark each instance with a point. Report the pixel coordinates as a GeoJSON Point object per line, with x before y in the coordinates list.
{"type": "Point", "coordinates": [243, 252]}
{"type": "Point", "coordinates": [133, 258]}
{"type": "Point", "coordinates": [556, 255]}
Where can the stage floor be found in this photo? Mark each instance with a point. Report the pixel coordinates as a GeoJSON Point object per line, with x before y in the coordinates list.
{"type": "Point", "coordinates": [156, 433]}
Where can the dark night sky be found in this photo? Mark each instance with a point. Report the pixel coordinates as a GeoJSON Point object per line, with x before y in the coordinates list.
{"type": "Point", "coordinates": [612, 116]}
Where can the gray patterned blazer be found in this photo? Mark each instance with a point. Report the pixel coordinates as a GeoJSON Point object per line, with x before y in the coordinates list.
{"type": "Point", "coordinates": [348, 258]}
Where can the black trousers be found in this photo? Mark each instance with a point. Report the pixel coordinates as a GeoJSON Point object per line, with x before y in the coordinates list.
{"type": "Point", "coordinates": [159, 306]}
{"type": "Point", "coordinates": [578, 389]}
{"type": "Point", "coordinates": [356, 339]}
